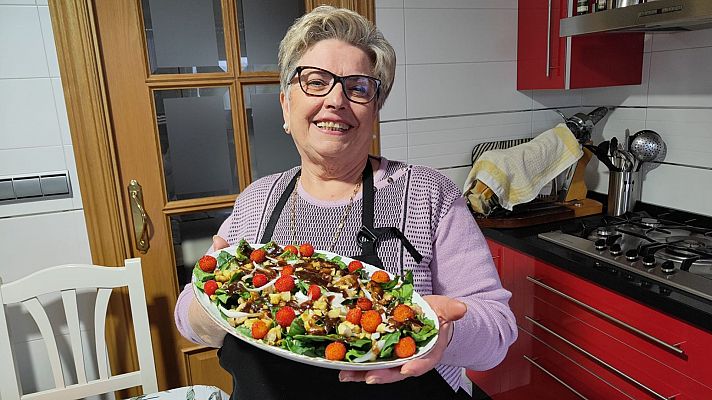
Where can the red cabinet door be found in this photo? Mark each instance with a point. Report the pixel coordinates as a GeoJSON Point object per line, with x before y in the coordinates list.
{"type": "Point", "coordinates": [540, 50]}
{"type": "Point", "coordinates": [564, 347]}
{"type": "Point", "coordinates": [544, 59]}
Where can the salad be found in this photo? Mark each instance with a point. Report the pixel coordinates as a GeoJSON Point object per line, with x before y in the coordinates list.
{"type": "Point", "coordinates": [314, 304]}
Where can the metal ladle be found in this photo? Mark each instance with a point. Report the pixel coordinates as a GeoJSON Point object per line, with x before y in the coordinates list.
{"type": "Point", "coordinates": [646, 146]}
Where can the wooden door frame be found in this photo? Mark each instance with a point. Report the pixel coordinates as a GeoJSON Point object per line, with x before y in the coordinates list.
{"type": "Point", "coordinates": [93, 141]}
{"type": "Point", "coordinates": [85, 95]}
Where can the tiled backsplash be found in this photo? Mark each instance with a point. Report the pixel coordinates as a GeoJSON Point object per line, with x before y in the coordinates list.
{"type": "Point", "coordinates": [34, 132]}
{"type": "Point", "coordinates": [35, 139]}
{"type": "Point", "coordinates": [456, 86]}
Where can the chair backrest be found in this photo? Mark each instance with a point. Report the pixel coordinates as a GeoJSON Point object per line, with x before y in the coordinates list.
{"type": "Point", "coordinates": [67, 279]}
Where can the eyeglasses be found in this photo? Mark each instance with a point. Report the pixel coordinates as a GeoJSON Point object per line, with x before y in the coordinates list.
{"type": "Point", "coordinates": [319, 82]}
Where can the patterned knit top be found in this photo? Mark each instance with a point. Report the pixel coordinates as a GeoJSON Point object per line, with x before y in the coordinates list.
{"type": "Point", "coordinates": [430, 210]}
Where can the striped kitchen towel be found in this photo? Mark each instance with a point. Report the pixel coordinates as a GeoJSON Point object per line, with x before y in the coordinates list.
{"type": "Point", "coordinates": [516, 175]}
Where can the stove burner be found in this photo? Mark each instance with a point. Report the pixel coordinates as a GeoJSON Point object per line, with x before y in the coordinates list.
{"type": "Point", "coordinates": [605, 231]}
{"type": "Point", "coordinates": [650, 222]}
{"type": "Point", "coordinates": [689, 242]}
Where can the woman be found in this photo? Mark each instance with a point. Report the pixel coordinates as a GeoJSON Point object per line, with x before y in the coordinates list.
{"type": "Point", "coordinates": [336, 71]}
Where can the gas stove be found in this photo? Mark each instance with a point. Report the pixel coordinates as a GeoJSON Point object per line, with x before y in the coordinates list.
{"type": "Point", "coordinates": [662, 255]}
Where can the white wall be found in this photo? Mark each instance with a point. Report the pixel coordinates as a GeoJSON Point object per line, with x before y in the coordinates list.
{"type": "Point", "coordinates": [456, 86]}
{"type": "Point", "coordinates": [34, 138]}
{"type": "Point", "coordinates": [675, 100]}
{"type": "Point", "coordinates": [456, 82]}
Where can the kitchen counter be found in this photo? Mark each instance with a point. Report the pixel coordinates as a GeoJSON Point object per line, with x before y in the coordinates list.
{"type": "Point", "coordinates": [691, 310]}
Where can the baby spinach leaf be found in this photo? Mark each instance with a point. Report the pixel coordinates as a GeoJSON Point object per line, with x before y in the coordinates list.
{"type": "Point", "coordinates": [390, 341]}
{"type": "Point", "coordinates": [202, 276]}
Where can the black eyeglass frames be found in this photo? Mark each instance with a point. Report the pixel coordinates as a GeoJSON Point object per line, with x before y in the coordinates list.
{"type": "Point", "coordinates": [319, 82]}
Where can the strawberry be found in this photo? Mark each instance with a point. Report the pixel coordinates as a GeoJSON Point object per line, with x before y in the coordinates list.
{"type": "Point", "coordinates": [258, 256]}
{"type": "Point", "coordinates": [380, 277]}
{"type": "Point", "coordinates": [354, 266]}
{"type": "Point", "coordinates": [354, 316]}
{"type": "Point", "coordinates": [335, 351]}
{"type": "Point", "coordinates": [287, 270]}
{"type": "Point", "coordinates": [259, 280]}
{"type": "Point", "coordinates": [364, 303]}
{"type": "Point", "coordinates": [284, 284]}
{"type": "Point", "coordinates": [403, 313]}
{"type": "Point", "coordinates": [370, 321]}
{"type": "Point", "coordinates": [210, 287]}
{"type": "Point", "coordinates": [207, 263]}
{"type": "Point", "coordinates": [405, 347]}
{"type": "Point", "coordinates": [285, 316]}
{"type": "Point", "coordinates": [292, 249]}
{"type": "Point", "coordinates": [314, 292]}
{"type": "Point", "coordinates": [306, 250]}
{"type": "Point", "coordinates": [259, 329]}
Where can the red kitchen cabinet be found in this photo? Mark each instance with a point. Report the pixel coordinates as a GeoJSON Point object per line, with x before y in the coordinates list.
{"type": "Point", "coordinates": [592, 341]}
{"type": "Point", "coordinates": [547, 61]}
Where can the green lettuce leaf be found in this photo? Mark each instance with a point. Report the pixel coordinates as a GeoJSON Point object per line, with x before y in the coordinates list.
{"type": "Point", "coordinates": [353, 354]}
{"type": "Point", "coordinates": [299, 347]}
{"type": "Point", "coordinates": [426, 332]}
{"type": "Point", "coordinates": [390, 341]}
{"type": "Point", "coordinates": [202, 276]}
{"type": "Point", "coordinates": [225, 260]}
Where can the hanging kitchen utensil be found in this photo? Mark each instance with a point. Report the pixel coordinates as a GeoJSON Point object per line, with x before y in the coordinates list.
{"type": "Point", "coordinates": [614, 147]}
{"type": "Point", "coordinates": [601, 152]}
{"type": "Point", "coordinates": [581, 125]}
{"type": "Point", "coordinates": [630, 160]}
{"type": "Point", "coordinates": [646, 146]}
{"type": "Point", "coordinates": [626, 142]}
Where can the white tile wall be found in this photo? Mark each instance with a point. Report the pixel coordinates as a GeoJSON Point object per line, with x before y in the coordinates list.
{"type": "Point", "coordinates": [425, 45]}
{"type": "Point", "coordinates": [437, 90]}
{"type": "Point", "coordinates": [21, 43]}
{"type": "Point", "coordinates": [28, 114]}
{"type": "Point", "coordinates": [681, 78]}
{"type": "Point", "coordinates": [34, 138]}
{"type": "Point", "coordinates": [455, 82]}
{"type": "Point", "coordinates": [459, 68]}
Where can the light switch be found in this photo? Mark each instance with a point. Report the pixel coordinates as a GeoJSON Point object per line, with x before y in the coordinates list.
{"type": "Point", "coordinates": [54, 184]}
{"type": "Point", "coordinates": [6, 190]}
{"type": "Point", "coordinates": [27, 187]}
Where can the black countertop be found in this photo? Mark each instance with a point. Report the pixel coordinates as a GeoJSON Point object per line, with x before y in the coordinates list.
{"type": "Point", "coordinates": [691, 309]}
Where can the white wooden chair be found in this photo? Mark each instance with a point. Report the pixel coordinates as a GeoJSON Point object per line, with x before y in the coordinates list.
{"type": "Point", "coordinates": [66, 279]}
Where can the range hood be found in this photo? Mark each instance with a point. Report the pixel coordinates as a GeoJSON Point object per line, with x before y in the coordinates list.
{"type": "Point", "coordinates": [653, 16]}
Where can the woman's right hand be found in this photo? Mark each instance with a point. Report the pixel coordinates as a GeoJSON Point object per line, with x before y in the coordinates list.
{"type": "Point", "coordinates": [203, 324]}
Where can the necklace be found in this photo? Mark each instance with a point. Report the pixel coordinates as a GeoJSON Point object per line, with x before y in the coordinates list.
{"type": "Point", "coordinates": [342, 222]}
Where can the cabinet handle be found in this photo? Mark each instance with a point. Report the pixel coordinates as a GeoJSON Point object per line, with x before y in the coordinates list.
{"type": "Point", "coordinates": [495, 257]}
{"type": "Point", "coordinates": [598, 360]}
{"type": "Point", "coordinates": [556, 378]}
{"type": "Point", "coordinates": [648, 336]}
{"type": "Point", "coordinates": [548, 41]}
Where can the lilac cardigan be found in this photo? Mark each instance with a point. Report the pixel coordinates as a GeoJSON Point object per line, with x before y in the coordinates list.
{"type": "Point", "coordinates": [432, 213]}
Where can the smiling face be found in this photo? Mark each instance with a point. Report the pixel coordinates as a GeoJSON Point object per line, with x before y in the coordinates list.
{"type": "Point", "coordinates": [331, 129]}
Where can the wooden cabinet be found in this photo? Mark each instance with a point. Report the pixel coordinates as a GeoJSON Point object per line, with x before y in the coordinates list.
{"type": "Point", "coordinates": [592, 342]}
{"type": "Point", "coordinates": [547, 61]}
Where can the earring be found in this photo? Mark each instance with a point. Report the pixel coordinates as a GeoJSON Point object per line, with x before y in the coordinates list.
{"type": "Point", "coordinates": [286, 128]}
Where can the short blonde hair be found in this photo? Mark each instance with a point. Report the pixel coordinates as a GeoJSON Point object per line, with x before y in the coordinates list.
{"type": "Point", "coordinates": [327, 22]}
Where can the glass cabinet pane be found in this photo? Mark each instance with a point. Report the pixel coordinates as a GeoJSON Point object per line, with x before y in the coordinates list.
{"type": "Point", "coordinates": [184, 36]}
{"type": "Point", "coordinates": [271, 150]}
{"type": "Point", "coordinates": [197, 142]}
{"type": "Point", "coordinates": [262, 25]}
{"type": "Point", "coordinates": [192, 237]}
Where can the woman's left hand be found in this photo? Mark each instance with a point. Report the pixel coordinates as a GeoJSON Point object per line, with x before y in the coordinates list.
{"type": "Point", "coordinates": [448, 310]}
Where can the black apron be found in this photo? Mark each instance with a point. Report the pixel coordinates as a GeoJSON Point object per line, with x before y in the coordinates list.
{"type": "Point", "coordinates": [257, 374]}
